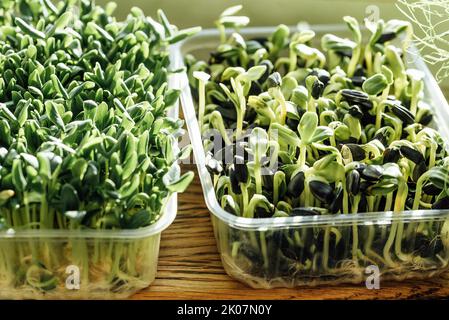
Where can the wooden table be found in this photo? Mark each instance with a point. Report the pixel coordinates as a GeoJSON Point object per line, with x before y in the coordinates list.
{"type": "Point", "coordinates": [190, 267]}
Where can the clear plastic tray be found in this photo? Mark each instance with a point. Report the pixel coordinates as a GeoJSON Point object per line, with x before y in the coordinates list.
{"type": "Point", "coordinates": [107, 264]}
{"type": "Point", "coordinates": [259, 252]}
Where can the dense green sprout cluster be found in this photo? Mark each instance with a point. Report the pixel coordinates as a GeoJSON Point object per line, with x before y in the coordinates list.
{"type": "Point", "coordinates": [338, 127]}
{"type": "Point", "coordinates": [350, 124]}
{"type": "Point", "coordinates": [85, 139]}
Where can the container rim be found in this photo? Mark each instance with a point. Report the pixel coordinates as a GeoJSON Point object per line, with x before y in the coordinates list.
{"type": "Point", "coordinates": [168, 212]}
{"type": "Point", "coordinates": [165, 220]}
{"type": "Point", "coordinates": [439, 106]}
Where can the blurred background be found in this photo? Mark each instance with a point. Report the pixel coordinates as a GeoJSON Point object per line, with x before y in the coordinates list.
{"type": "Point", "coordinates": [187, 13]}
{"type": "Point", "coordinates": [262, 12]}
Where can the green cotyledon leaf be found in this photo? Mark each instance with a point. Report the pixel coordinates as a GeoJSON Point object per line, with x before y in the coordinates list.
{"type": "Point", "coordinates": [18, 179]}
{"type": "Point", "coordinates": [181, 184]}
{"type": "Point", "coordinates": [307, 127]}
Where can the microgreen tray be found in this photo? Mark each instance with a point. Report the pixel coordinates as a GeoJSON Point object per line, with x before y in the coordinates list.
{"type": "Point", "coordinates": [83, 264]}
{"type": "Point", "coordinates": [251, 248]}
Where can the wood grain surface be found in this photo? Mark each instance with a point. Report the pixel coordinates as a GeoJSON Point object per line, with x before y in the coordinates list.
{"type": "Point", "coordinates": [190, 267]}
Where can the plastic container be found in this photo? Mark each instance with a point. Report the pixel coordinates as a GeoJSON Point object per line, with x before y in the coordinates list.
{"type": "Point", "coordinates": [107, 264]}
{"type": "Point", "coordinates": [319, 250]}
{"type": "Point", "coordinates": [83, 264]}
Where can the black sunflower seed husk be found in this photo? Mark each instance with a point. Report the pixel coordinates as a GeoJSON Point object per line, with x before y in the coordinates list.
{"type": "Point", "coordinates": [419, 170]}
{"type": "Point", "coordinates": [356, 112]}
{"type": "Point", "coordinates": [359, 71]}
{"type": "Point", "coordinates": [322, 75]}
{"type": "Point", "coordinates": [386, 36]}
{"type": "Point", "coordinates": [360, 167]}
{"type": "Point", "coordinates": [241, 169]}
{"type": "Point", "coordinates": [317, 89]}
{"type": "Point", "coordinates": [354, 95]}
{"type": "Point", "coordinates": [358, 80]}
{"type": "Point", "coordinates": [441, 204]}
{"type": "Point", "coordinates": [304, 212]}
{"type": "Point", "coordinates": [391, 155]}
{"type": "Point", "coordinates": [274, 80]}
{"type": "Point", "coordinates": [296, 185]}
{"type": "Point", "coordinates": [367, 118]}
{"type": "Point", "coordinates": [431, 189]}
{"type": "Point", "coordinates": [267, 72]}
{"type": "Point", "coordinates": [403, 114]}
{"type": "Point", "coordinates": [336, 205]}
{"type": "Point", "coordinates": [372, 172]}
{"type": "Point", "coordinates": [353, 182]}
{"type": "Point", "coordinates": [357, 97]}
{"type": "Point", "coordinates": [235, 184]}
{"type": "Point", "coordinates": [322, 191]}
{"type": "Point", "coordinates": [358, 154]}
{"type": "Point", "coordinates": [412, 154]}
{"type": "Point", "coordinates": [255, 89]}
{"type": "Point", "coordinates": [426, 120]}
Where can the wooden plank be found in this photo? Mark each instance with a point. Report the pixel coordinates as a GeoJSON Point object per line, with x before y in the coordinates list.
{"type": "Point", "coordinates": [190, 267]}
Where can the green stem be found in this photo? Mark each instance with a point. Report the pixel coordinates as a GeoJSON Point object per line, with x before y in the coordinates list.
{"type": "Point", "coordinates": [263, 248]}
{"type": "Point", "coordinates": [311, 105]}
{"type": "Point", "coordinates": [418, 192]}
{"type": "Point", "coordinates": [244, 200]}
{"type": "Point", "coordinates": [398, 207]}
{"type": "Point", "coordinates": [369, 60]}
{"type": "Point", "coordinates": [293, 61]}
{"type": "Point", "coordinates": [388, 202]}
{"type": "Point", "coordinates": [222, 31]}
{"type": "Point", "coordinates": [201, 103]}
{"type": "Point", "coordinates": [302, 155]}
{"type": "Point", "coordinates": [258, 176]}
{"type": "Point", "coordinates": [354, 61]}
{"type": "Point", "coordinates": [326, 248]}
{"type": "Point", "coordinates": [355, 231]}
